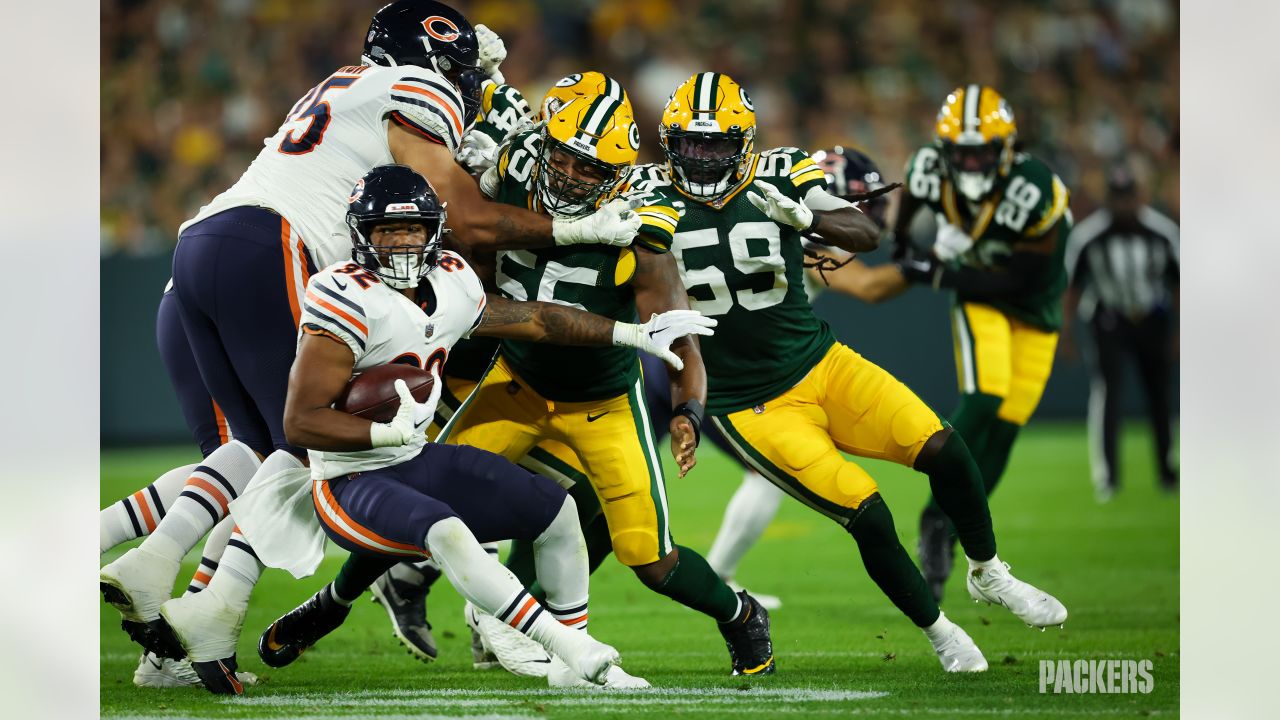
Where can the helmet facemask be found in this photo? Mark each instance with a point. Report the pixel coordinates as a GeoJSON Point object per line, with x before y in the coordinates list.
{"type": "Point", "coordinates": [400, 265]}
{"type": "Point", "coordinates": [570, 183]}
{"type": "Point", "coordinates": [706, 165]}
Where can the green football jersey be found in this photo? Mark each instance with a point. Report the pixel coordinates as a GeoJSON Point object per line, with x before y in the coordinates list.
{"type": "Point", "coordinates": [1021, 208]}
{"type": "Point", "coordinates": [596, 278]}
{"type": "Point", "coordinates": [747, 271]}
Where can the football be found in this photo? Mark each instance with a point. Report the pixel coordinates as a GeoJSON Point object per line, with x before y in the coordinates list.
{"type": "Point", "coordinates": [372, 393]}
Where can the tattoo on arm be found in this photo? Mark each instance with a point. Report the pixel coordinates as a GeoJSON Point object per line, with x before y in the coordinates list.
{"type": "Point", "coordinates": [544, 322]}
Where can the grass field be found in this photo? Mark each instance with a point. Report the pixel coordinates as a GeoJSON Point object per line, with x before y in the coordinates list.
{"type": "Point", "coordinates": [841, 648]}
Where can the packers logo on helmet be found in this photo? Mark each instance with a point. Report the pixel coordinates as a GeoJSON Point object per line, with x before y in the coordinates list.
{"type": "Point", "coordinates": [975, 133]}
{"type": "Point", "coordinates": [708, 130]}
{"type": "Point", "coordinates": [580, 85]}
{"type": "Point", "coordinates": [587, 147]}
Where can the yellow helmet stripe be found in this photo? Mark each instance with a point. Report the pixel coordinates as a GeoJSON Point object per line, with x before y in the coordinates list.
{"type": "Point", "coordinates": [971, 120]}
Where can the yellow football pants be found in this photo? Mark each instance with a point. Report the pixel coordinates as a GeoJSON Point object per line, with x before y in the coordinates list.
{"type": "Point", "coordinates": [845, 403]}
{"type": "Point", "coordinates": [1001, 356]}
{"type": "Point", "coordinates": [607, 441]}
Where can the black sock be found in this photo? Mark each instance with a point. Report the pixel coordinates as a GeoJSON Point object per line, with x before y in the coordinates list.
{"type": "Point", "coordinates": [889, 565]}
{"type": "Point", "coordinates": [358, 573]}
{"type": "Point", "coordinates": [957, 487]}
{"type": "Point", "coordinates": [995, 456]}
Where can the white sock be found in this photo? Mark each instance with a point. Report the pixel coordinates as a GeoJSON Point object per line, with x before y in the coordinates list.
{"type": "Point", "coordinates": [214, 483]}
{"type": "Point", "coordinates": [239, 569]}
{"type": "Point", "coordinates": [560, 557]}
{"type": "Point", "coordinates": [748, 513]}
{"type": "Point", "coordinates": [939, 630]}
{"type": "Point", "coordinates": [214, 546]}
{"type": "Point", "coordinates": [138, 514]}
{"type": "Point", "coordinates": [994, 562]}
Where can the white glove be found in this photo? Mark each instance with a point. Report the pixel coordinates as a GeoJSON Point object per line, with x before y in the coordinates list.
{"type": "Point", "coordinates": [951, 243]}
{"type": "Point", "coordinates": [781, 208]}
{"type": "Point", "coordinates": [492, 52]}
{"type": "Point", "coordinates": [406, 426]}
{"type": "Point", "coordinates": [477, 152]}
{"type": "Point", "coordinates": [655, 337]}
{"type": "Point", "coordinates": [615, 223]}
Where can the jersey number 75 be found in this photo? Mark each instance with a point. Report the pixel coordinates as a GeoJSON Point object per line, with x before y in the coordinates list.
{"type": "Point", "coordinates": [309, 118]}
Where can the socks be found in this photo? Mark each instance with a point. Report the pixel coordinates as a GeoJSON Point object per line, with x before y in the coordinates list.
{"type": "Point", "coordinates": [995, 456]}
{"type": "Point", "coordinates": [214, 546]}
{"type": "Point", "coordinates": [973, 420]}
{"type": "Point", "coordinates": [694, 584]}
{"type": "Point", "coordinates": [333, 595]}
{"type": "Point", "coordinates": [957, 488]}
{"type": "Point", "coordinates": [599, 547]}
{"type": "Point", "coordinates": [138, 514]}
{"type": "Point", "coordinates": [939, 630]}
{"type": "Point", "coordinates": [238, 571]}
{"type": "Point", "coordinates": [560, 556]}
{"type": "Point", "coordinates": [889, 565]}
{"type": "Point", "coordinates": [213, 484]}
{"type": "Point", "coordinates": [358, 573]}
{"type": "Point", "coordinates": [748, 513]}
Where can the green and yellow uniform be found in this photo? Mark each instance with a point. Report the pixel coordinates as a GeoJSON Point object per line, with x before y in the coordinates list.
{"type": "Point", "coordinates": [781, 389]}
{"type": "Point", "coordinates": [583, 404]}
{"type": "Point", "coordinates": [1004, 348]}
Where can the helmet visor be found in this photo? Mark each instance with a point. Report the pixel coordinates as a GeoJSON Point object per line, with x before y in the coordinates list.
{"type": "Point", "coordinates": [705, 158]}
{"type": "Point", "coordinates": [571, 183]}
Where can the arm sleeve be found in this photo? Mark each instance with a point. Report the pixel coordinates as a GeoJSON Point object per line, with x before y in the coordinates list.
{"type": "Point", "coordinates": [425, 102]}
{"type": "Point", "coordinates": [334, 307]}
{"type": "Point", "coordinates": [819, 199]}
{"type": "Point", "coordinates": [1025, 271]}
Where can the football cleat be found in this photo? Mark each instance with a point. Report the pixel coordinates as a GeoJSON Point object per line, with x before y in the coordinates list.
{"type": "Point", "coordinates": [750, 647]}
{"type": "Point", "coordinates": [956, 650]}
{"type": "Point", "coordinates": [518, 653]}
{"type": "Point", "coordinates": [137, 584]}
{"type": "Point", "coordinates": [157, 672]}
{"type": "Point", "coordinates": [559, 675]}
{"type": "Point", "coordinates": [481, 658]}
{"type": "Point", "coordinates": [405, 600]}
{"type": "Point", "coordinates": [208, 628]}
{"type": "Point", "coordinates": [289, 636]}
{"type": "Point", "coordinates": [937, 551]}
{"type": "Point", "coordinates": [993, 584]}
{"type": "Point", "coordinates": [768, 602]}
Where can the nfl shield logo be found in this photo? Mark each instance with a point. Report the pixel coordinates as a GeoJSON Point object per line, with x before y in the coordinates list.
{"type": "Point", "coordinates": [430, 330]}
{"type": "Point", "coordinates": [759, 409]}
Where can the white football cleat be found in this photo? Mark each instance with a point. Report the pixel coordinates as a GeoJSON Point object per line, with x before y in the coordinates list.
{"type": "Point", "coordinates": [768, 602]}
{"type": "Point", "coordinates": [518, 653]}
{"type": "Point", "coordinates": [138, 583]}
{"type": "Point", "coordinates": [208, 629]}
{"type": "Point", "coordinates": [157, 672]}
{"type": "Point", "coordinates": [992, 583]}
{"type": "Point", "coordinates": [955, 649]}
{"type": "Point", "coordinates": [560, 676]}
{"type": "Point", "coordinates": [593, 661]}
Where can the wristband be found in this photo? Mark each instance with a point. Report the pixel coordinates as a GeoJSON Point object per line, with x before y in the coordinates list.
{"type": "Point", "coordinates": [385, 435]}
{"type": "Point", "coordinates": [693, 410]}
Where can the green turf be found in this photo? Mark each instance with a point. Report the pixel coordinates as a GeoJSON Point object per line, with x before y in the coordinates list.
{"type": "Point", "coordinates": [841, 647]}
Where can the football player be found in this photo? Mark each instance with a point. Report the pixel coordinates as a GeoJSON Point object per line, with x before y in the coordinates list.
{"type": "Point", "coordinates": [381, 490]}
{"type": "Point", "coordinates": [784, 393]}
{"type": "Point", "coordinates": [1003, 223]}
{"type": "Point", "coordinates": [242, 263]}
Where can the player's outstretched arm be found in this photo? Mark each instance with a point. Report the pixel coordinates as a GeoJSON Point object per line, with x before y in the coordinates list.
{"type": "Point", "coordinates": [320, 372]}
{"type": "Point", "coordinates": [1027, 269]}
{"type": "Point", "coordinates": [835, 221]}
{"type": "Point", "coordinates": [481, 225]}
{"type": "Point", "coordinates": [908, 205]}
{"type": "Point", "coordinates": [563, 325]}
{"type": "Point", "coordinates": [868, 284]}
{"type": "Point", "coordinates": [658, 289]}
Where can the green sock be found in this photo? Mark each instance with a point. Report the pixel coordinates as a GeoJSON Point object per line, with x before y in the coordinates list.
{"type": "Point", "coordinates": [889, 565]}
{"type": "Point", "coordinates": [957, 488]}
{"type": "Point", "coordinates": [358, 573]}
{"type": "Point", "coordinates": [995, 456]}
{"type": "Point", "coordinates": [694, 584]}
{"type": "Point", "coordinates": [973, 419]}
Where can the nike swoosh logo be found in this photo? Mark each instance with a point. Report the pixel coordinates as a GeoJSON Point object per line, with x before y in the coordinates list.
{"type": "Point", "coordinates": [339, 284]}
{"type": "Point", "coordinates": [271, 639]}
{"type": "Point", "coordinates": [593, 418]}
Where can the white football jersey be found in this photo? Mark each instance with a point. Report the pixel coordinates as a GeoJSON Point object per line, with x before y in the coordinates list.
{"type": "Point", "coordinates": [334, 135]}
{"type": "Point", "coordinates": [382, 326]}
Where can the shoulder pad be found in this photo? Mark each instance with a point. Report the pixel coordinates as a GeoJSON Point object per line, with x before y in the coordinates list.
{"type": "Point", "coordinates": [792, 164]}
{"type": "Point", "coordinates": [923, 174]}
{"type": "Point", "coordinates": [337, 303]}
{"type": "Point", "coordinates": [424, 101]}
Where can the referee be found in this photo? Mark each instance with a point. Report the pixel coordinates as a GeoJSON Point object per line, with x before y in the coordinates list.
{"type": "Point", "coordinates": [1123, 267]}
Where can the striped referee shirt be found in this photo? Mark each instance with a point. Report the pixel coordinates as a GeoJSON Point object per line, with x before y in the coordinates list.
{"type": "Point", "coordinates": [1128, 271]}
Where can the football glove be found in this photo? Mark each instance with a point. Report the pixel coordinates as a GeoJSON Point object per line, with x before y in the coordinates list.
{"type": "Point", "coordinates": [655, 337]}
{"type": "Point", "coordinates": [410, 417]}
{"type": "Point", "coordinates": [951, 242]}
{"type": "Point", "coordinates": [477, 152]}
{"type": "Point", "coordinates": [492, 52]}
{"type": "Point", "coordinates": [615, 223]}
{"type": "Point", "coordinates": [780, 208]}
{"type": "Point", "coordinates": [917, 268]}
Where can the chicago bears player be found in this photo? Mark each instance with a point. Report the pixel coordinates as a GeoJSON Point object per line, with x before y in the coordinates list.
{"type": "Point", "coordinates": [242, 263]}
{"type": "Point", "coordinates": [381, 490]}
{"type": "Point", "coordinates": [781, 389]}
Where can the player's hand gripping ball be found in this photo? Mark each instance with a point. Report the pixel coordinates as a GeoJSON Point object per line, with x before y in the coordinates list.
{"type": "Point", "coordinates": [372, 394]}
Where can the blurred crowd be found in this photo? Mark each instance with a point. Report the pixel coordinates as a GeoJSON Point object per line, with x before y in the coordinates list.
{"type": "Point", "coordinates": [190, 88]}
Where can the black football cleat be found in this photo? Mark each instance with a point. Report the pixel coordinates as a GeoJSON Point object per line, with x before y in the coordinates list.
{"type": "Point", "coordinates": [937, 550]}
{"type": "Point", "coordinates": [402, 592]}
{"type": "Point", "coordinates": [747, 638]}
{"type": "Point", "coordinates": [219, 676]}
{"type": "Point", "coordinates": [288, 637]}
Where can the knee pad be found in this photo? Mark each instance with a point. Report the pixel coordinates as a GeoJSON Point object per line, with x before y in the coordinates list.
{"type": "Point", "coordinates": [636, 547]}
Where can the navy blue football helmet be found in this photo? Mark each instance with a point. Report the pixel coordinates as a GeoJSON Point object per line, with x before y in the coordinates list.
{"type": "Point", "coordinates": [850, 175]}
{"type": "Point", "coordinates": [395, 194]}
{"type": "Point", "coordinates": [432, 35]}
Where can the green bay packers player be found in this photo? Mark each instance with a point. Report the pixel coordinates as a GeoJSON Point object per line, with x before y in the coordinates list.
{"type": "Point", "coordinates": [786, 395]}
{"type": "Point", "coordinates": [1003, 223]}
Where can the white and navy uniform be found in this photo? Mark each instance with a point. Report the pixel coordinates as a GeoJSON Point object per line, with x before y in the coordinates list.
{"type": "Point", "coordinates": [1126, 277]}
{"type": "Point", "coordinates": [382, 501]}
{"type": "Point", "coordinates": [242, 263]}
